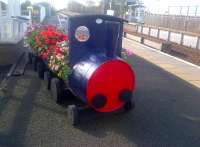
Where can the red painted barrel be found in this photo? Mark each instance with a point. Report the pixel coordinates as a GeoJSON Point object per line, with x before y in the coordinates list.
{"type": "Point", "coordinates": [109, 82]}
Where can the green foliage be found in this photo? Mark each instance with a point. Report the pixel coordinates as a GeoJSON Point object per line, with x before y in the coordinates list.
{"type": "Point", "coordinates": [31, 41]}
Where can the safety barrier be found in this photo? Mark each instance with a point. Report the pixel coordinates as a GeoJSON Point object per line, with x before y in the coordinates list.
{"type": "Point", "coordinates": [187, 39]}
{"type": "Point", "coordinates": [12, 30]}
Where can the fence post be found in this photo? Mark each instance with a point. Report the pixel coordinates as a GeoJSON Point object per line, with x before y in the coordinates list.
{"type": "Point", "coordinates": [188, 10]}
{"type": "Point", "coordinates": [149, 33]}
{"type": "Point", "coordinates": [141, 29]}
{"type": "Point", "coordinates": [182, 38]}
{"type": "Point", "coordinates": [196, 10]}
{"type": "Point", "coordinates": [136, 28]}
{"type": "Point", "coordinates": [158, 34]}
{"type": "Point", "coordinates": [198, 42]}
{"type": "Point", "coordinates": [169, 35]}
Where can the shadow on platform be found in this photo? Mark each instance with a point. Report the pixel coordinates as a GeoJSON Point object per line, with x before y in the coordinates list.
{"type": "Point", "coordinates": [166, 108]}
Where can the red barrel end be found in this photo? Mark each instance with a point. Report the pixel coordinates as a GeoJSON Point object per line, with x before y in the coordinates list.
{"type": "Point", "coordinates": [110, 86]}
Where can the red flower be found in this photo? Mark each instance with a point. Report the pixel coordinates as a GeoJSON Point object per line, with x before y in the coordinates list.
{"type": "Point", "coordinates": [64, 37]}
{"type": "Point", "coordinates": [58, 50]}
{"type": "Point", "coordinates": [44, 56]}
{"type": "Point", "coordinates": [48, 40]}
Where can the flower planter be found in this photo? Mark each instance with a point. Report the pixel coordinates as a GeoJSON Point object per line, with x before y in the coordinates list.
{"type": "Point", "coordinates": [34, 60]}
{"type": "Point", "coordinates": [88, 64]}
{"type": "Point", "coordinates": [40, 68]}
{"type": "Point", "coordinates": [52, 81]}
{"type": "Point", "coordinates": [47, 79]}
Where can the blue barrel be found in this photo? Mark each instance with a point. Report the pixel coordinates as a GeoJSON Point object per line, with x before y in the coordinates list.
{"type": "Point", "coordinates": [103, 83]}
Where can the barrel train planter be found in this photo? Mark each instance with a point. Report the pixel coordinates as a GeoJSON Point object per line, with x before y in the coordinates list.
{"type": "Point", "coordinates": [52, 81]}
{"type": "Point", "coordinates": [99, 77]}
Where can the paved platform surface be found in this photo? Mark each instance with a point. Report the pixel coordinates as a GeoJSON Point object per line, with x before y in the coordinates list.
{"type": "Point", "coordinates": [167, 114]}
{"type": "Point", "coordinates": [187, 72]}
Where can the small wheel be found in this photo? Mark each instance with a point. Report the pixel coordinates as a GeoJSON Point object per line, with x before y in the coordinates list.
{"type": "Point", "coordinates": [40, 69]}
{"type": "Point", "coordinates": [129, 105]}
{"type": "Point", "coordinates": [56, 90]}
{"type": "Point", "coordinates": [72, 114]}
{"type": "Point", "coordinates": [47, 79]}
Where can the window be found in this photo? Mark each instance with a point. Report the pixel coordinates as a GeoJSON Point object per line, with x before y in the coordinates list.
{"type": "Point", "coordinates": [3, 6]}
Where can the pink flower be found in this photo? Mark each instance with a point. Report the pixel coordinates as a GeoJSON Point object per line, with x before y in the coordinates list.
{"type": "Point", "coordinates": [129, 52]}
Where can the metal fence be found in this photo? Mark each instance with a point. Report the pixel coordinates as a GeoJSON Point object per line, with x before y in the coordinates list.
{"type": "Point", "coordinates": [3, 13]}
{"type": "Point", "coordinates": [184, 10]}
{"type": "Point", "coordinates": [187, 39]}
{"type": "Point", "coordinates": [176, 22]}
{"type": "Point", "coordinates": [12, 30]}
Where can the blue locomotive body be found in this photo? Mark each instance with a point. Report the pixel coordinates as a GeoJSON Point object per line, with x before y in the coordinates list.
{"type": "Point", "coordinates": [101, 44]}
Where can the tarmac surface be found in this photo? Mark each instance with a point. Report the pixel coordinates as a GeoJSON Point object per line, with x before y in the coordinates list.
{"type": "Point", "coordinates": [167, 114]}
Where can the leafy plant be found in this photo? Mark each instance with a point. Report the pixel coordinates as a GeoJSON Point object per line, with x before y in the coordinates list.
{"type": "Point", "coordinates": [51, 45]}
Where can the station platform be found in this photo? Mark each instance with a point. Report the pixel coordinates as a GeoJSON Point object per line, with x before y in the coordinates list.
{"type": "Point", "coordinates": [167, 109]}
{"type": "Point", "coordinates": [178, 67]}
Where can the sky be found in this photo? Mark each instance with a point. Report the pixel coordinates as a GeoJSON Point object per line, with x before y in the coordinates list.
{"type": "Point", "coordinates": [59, 4]}
{"type": "Point", "coordinates": [161, 6]}
{"type": "Point", "coordinates": [155, 6]}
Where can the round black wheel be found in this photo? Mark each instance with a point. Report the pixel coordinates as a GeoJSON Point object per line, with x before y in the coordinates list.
{"type": "Point", "coordinates": [56, 90]}
{"type": "Point", "coordinates": [47, 79]}
{"type": "Point", "coordinates": [129, 105]}
{"type": "Point", "coordinates": [41, 70]}
{"type": "Point", "coordinates": [72, 114]}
